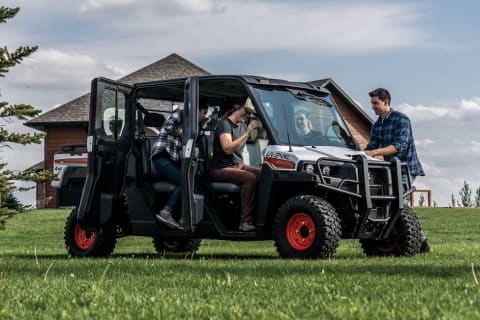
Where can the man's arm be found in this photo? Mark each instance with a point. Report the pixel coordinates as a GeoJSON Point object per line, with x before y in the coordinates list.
{"type": "Point", "coordinates": [173, 124]}
{"type": "Point", "coordinates": [400, 140]}
{"type": "Point", "coordinates": [386, 151]}
{"type": "Point", "coordinates": [230, 146]}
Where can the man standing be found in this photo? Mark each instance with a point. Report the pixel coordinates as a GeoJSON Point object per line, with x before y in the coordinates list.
{"type": "Point", "coordinates": [392, 136]}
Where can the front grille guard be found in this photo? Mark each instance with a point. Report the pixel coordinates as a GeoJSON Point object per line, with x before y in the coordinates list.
{"type": "Point", "coordinates": [374, 221]}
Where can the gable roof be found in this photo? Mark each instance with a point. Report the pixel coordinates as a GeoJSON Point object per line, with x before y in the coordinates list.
{"type": "Point", "coordinates": [333, 87]}
{"type": "Point", "coordinates": [76, 111]}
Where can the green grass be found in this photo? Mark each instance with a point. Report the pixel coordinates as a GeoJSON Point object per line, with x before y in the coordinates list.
{"type": "Point", "coordinates": [238, 280]}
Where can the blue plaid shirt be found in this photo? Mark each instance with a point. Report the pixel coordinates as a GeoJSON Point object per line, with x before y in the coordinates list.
{"type": "Point", "coordinates": [396, 130]}
{"type": "Point", "coordinates": [166, 140]}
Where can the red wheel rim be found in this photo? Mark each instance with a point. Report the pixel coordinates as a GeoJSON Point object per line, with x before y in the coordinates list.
{"type": "Point", "coordinates": [301, 231]}
{"type": "Point", "coordinates": [83, 239]}
{"type": "Point", "coordinates": [389, 245]}
{"type": "Point", "coordinates": [170, 244]}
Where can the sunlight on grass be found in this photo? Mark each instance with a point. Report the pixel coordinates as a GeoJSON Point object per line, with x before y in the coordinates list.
{"type": "Point", "coordinates": [238, 280]}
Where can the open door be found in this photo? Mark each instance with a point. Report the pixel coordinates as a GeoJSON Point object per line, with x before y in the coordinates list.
{"type": "Point", "coordinates": [192, 204]}
{"type": "Point", "coordinates": [111, 127]}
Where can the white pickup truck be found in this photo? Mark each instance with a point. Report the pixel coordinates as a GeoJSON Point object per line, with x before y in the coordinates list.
{"type": "Point", "coordinates": [70, 168]}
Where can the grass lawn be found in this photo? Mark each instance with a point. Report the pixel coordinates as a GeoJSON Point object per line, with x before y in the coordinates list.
{"type": "Point", "coordinates": [238, 280]}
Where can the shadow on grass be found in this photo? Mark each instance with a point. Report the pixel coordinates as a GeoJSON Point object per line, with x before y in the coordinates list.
{"type": "Point", "coordinates": [268, 266]}
{"type": "Point", "coordinates": [172, 256]}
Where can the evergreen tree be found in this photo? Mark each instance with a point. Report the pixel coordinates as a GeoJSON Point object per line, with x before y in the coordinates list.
{"type": "Point", "coordinates": [453, 201]}
{"type": "Point", "coordinates": [465, 195]}
{"type": "Point", "coordinates": [11, 202]}
{"type": "Point", "coordinates": [9, 112]}
{"type": "Point", "coordinates": [421, 201]}
{"type": "Point", "coordinates": [477, 198]}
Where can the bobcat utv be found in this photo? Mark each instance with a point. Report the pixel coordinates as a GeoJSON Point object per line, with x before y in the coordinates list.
{"type": "Point", "coordinates": [313, 191]}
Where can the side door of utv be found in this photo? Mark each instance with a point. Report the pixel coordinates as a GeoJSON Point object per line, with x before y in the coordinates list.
{"type": "Point", "coordinates": [108, 142]}
{"type": "Point", "coordinates": [192, 203]}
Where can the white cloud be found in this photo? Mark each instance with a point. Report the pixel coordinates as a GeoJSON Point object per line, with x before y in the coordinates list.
{"type": "Point", "coordinates": [470, 104]}
{"type": "Point", "coordinates": [464, 110]}
{"type": "Point", "coordinates": [133, 32]}
{"type": "Point", "coordinates": [205, 27]}
{"type": "Point", "coordinates": [59, 70]}
{"type": "Point", "coordinates": [135, 6]}
{"type": "Point", "coordinates": [475, 147]}
{"type": "Point", "coordinates": [421, 113]}
{"type": "Point", "coordinates": [103, 4]}
{"type": "Point", "coordinates": [424, 142]}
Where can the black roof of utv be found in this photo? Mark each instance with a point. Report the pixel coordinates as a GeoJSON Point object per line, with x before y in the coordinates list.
{"type": "Point", "coordinates": [249, 79]}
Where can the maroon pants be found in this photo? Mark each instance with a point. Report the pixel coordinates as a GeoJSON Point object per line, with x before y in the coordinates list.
{"type": "Point", "coordinates": [245, 176]}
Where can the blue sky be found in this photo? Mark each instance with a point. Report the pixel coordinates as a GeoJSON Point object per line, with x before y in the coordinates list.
{"type": "Point", "coordinates": [424, 52]}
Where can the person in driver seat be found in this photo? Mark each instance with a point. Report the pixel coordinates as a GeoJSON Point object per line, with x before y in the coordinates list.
{"type": "Point", "coordinates": [305, 131]}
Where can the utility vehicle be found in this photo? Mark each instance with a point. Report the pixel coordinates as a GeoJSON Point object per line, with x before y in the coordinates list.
{"type": "Point", "coordinates": [311, 193]}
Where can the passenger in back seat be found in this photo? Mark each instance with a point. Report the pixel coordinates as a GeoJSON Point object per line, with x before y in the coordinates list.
{"type": "Point", "coordinates": [227, 162]}
{"type": "Point", "coordinates": [165, 157]}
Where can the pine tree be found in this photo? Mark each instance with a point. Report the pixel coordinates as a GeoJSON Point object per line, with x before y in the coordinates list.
{"type": "Point", "coordinates": [465, 195]}
{"type": "Point", "coordinates": [20, 112]}
{"type": "Point", "coordinates": [477, 198]}
{"type": "Point", "coordinates": [453, 201]}
{"type": "Point", "coordinates": [421, 201]}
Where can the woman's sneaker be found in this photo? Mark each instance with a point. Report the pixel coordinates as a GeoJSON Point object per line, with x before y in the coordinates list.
{"type": "Point", "coordinates": [166, 218]}
{"type": "Point", "coordinates": [245, 226]}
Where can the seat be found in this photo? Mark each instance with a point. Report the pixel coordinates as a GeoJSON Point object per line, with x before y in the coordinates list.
{"type": "Point", "coordinates": [163, 186]}
{"type": "Point", "coordinates": [148, 169]}
{"type": "Point", "coordinates": [225, 187]}
{"type": "Point", "coordinates": [205, 145]}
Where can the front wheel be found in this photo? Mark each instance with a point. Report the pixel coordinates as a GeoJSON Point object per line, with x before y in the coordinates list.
{"type": "Point", "coordinates": [82, 243]}
{"type": "Point", "coordinates": [404, 240]}
{"type": "Point", "coordinates": [176, 246]}
{"type": "Point", "coordinates": [306, 227]}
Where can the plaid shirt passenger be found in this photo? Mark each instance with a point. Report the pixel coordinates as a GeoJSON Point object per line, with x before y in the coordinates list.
{"type": "Point", "coordinates": [166, 140]}
{"type": "Point", "coordinates": [396, 130]}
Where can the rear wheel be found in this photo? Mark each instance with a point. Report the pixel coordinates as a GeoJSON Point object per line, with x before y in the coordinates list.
{"type": "Point", "coordinates": [177, 246]}
{"type": "Point", "coordinates": [306, 227]}
{"type": "Point", "coordinates": [404, 240]}
{"type": "Point", "coordinates": [82, 243]}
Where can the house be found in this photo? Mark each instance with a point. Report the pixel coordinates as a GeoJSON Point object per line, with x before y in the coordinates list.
{"type": "Point", "coordinates": [67, 124]}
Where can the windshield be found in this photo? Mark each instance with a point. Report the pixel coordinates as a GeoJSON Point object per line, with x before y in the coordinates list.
{"type": "Point", "coordinates": [303, 118]}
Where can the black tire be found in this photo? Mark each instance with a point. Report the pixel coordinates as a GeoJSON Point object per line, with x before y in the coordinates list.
{"type": "Point", "coordinates": [404, 240]}
{"type": "Point", "coordinates": [82, 243]}
{"type": "Point", "coordinates": [306, 227]}
{"type": "Point", "coordinates": [163, 246]}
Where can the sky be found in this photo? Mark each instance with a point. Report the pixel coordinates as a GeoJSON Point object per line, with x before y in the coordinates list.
{"type": "Point", "coordinates": [424, 52]}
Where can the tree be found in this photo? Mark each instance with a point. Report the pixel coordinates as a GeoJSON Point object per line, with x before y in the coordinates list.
{"type": "Point", "coordinates": [453, 201]}
{"type": "Point", "coordinates": [421, 201]}
{"type": "Point", "coordinates": [10, 201]}
{"type": "Point", "coordinates": [465, 195]}
{"type": "Point", "coordinates": [9, 113]}
{"type": "Point", "coordinates": [477, 198]}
